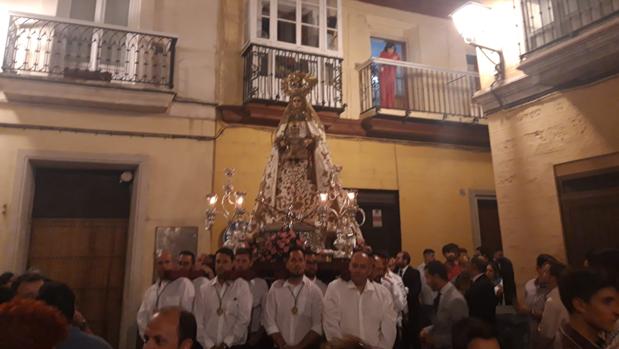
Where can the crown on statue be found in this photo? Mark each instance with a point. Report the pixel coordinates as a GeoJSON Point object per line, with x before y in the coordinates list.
{"type": "Point", "coordinates": [298, 84]}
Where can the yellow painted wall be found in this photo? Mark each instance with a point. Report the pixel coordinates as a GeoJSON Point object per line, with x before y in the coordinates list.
{"type": "Point", "coordinates": [430, 40]}
{"type": "Point", "coordinates": [429, 179]}
{"type": "Point", "coordinates": [178, 175]}
{"type": "Point", "coordinates": [526, 144]}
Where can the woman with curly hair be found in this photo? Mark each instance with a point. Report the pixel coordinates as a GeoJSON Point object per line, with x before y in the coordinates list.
{"type": "Point", "coordinates": [28, 323]}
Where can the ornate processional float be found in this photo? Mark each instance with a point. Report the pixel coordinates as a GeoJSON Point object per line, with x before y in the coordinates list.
{"type": "Point", "coordinates": [300, 200]}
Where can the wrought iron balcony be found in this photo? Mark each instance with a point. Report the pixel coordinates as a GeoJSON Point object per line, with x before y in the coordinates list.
{"type": "Point", "coordinates": [399, 88]}
{"type": "Point", "coordinates": [40, 46]}
{"type": "Point", "coordinates": [549, 21]}
{"type": "Point", "coordinates": [266, 67]}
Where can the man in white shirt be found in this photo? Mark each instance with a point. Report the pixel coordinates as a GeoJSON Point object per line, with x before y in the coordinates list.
{"type": "Point", "coordinates": [392, 282]}
{"type": "Point", "coordinates": [243, 262]}
{"type": "Point", "coordinates": [427, 295]}
{"type": "Point", "coordinates": [293, 309]}
{"type": "Point", "coordinates": [165, 292]}
{"type": "Point", "coordinates": [223, 306]}
{"type": "Point", "coordinates": [311, 269]}
{"type": "Point", "coordinates": [555, 314]}
{"type": "Point", "coordinates": [359, 307]}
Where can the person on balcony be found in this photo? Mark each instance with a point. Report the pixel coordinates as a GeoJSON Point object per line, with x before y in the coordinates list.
{"type": "Point", "coordinates": [387, 77]}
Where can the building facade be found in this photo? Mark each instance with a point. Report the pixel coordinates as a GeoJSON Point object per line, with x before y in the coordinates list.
{"type": "Point", "coordinates": [553, 128]}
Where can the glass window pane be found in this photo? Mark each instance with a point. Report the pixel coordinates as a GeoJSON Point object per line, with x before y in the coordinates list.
{"type": "Point", "coordinates": [84, 10]}
{"type": "Point", "coordinates": [287, 9]}
{"type": "Point", "coordinates": [332, 43]}
{"type": "Point", "coordinates": [117, 12]}
{"type": "Point", "coordinates": [265, 8]}
{"type": "Point", "coordinates": [286, 32]}
{"type": "Point", "coordinates": [310, 15]}
{"type": "Point", "coordinates": [310, 36]}
{"type": "Point", "coordinates": [264, 27]}
{"type": "Point", "coordinates": [332, 18]}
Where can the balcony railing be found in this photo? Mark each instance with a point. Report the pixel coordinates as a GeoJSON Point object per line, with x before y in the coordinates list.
{"type": "Point", "coordinates": [68, 49]}
{"type": "Point", "coordinates": [266, 67]}
{"type": "Point", "coordinates": [548, 21]}
{"type": "Point", "coordinates": [400, 88]}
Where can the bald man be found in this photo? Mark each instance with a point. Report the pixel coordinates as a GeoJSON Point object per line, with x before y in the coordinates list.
{"type": "Point", "coordinates": [359, 308]}
{"type": "Point", "coordinates": [165, 292]}
{"type": "Point", "coordinates": [171, 328]}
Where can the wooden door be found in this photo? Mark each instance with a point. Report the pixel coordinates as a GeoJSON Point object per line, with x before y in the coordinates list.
{"type": "Point", "coordinates": [489, 227]}
{"type": "Point", "coordinates": [382, 226]}
{"type": "Point", "coordinates": [590, 212]}
{"type": "Point", "coordinates": [79, 237]}
{"type": "Point", "coordinates": [89, 256]}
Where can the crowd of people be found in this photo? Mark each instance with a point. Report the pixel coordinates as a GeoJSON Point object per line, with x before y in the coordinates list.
{"type": "Point", "coordinates": [378, 301]}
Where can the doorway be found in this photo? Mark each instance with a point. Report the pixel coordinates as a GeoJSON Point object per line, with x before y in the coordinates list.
{"type": "Point", "coordinates": [589, 199]}
{"type": "Point", "coordinates": [381, 229]}
{"type": "Point", "coordinates": [401, 88]}
{"type": "Point", "coordinates": [79, 231]}
{"type": "Point", "coordinates": [485, 216]}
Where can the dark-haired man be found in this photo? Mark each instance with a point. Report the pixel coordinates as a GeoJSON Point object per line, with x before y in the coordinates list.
{"type": "Point", "coordinates": [359, 307]}
{"type": "Point", "coordinates": [165, 292]}
{"type": "Point", "coordinates": [311, 271]}
{"type": "Point", "coordinates": [471, 333]}
{"type": "Point", "coordinates": [593, 304]}
{"type": "Point", "coordinates": [223, 306]}
{"type": "Point", "coordinates": [535, 291]}
{"type": "Point", "coordinates": [480, 296]}
{"type": "Point", "coordinates": [451, 252]}
{"type": "Point", "coordinates": [27, 285]}
{"type": "Point", "coordinates": [243, 262]}
{"type": "Point", "coordinates": [412, 281]}
{"type": "Point", "coordinates": [555, 314]}
{"type": "Point", "coordinates": [171, 328]}
{"type": "Point", "coordinates": [61, 297]}
{"type": "Point", "coordinates": [186, 260]}
{"type": "Point", "coordinates": [449, 306]}
{"type": "Point", "coordinates": [293, 311]}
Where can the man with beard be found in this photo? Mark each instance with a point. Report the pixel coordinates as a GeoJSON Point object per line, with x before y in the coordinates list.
{"type": "Point", "coordinates": [359, 307]}
{"type": "Point", "coordinates": [392, 282]}
{"type": "Point", "coordinates": [293, 309]}
{"type": "Point", "coordinates": [223, 306]}
{"type": "Point", "coordinates": [165, 292]}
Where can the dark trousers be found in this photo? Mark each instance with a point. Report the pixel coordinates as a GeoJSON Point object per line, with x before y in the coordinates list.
{"type": "Point", "coordinates": [411, 329]}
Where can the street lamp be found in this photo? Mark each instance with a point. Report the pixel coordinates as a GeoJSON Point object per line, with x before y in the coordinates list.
{"type": "Point", "coordinates": [473, 21]}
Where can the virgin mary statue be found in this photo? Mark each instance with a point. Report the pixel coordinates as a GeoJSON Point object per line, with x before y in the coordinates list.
{"type": "Point", "coordinates": [299, 168]}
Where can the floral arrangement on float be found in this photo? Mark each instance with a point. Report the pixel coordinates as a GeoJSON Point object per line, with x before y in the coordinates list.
{"type": "Point", "coordinates": [273, 247]}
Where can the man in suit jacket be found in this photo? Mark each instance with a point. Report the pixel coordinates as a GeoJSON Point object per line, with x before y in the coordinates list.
{"type": "Point", "coordinates": [480, 297]}
{"type": "Point", "coordinates": [449, 305]}
{"type": "Point", "coordinates": [412, 281]}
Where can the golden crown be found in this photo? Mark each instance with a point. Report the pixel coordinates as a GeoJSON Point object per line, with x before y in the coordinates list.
{"type": "Point", "coordinates": [298, 84]}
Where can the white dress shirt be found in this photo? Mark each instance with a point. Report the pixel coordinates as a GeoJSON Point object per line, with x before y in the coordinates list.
{"type": "Point", "coordinates": [321, 285]}
{"type": "Point", "coordinates": [427, 295]}
{"type": "Point", "coordinates": [163, 293]}
{"type": "Point", "coordinates": [394, 284]}
{"type": "Point", "coordinates": [278, 315]}
{"type": "Point", "coordinates": [368, 315]}
{"type": "Point", "coordinates": [230, 325]}
{"type": "Point", "coordinates": [259, 289]}
{"type": "Point", "coordinates": [554, 315]}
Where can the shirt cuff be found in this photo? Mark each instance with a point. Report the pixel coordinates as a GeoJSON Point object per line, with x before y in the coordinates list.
{"type": "Point", "coordinates": [271, 329]}
{"type": "Point", "coordinates": [229, 341]}
{"type": "Point", "coordinates": [317, 329]}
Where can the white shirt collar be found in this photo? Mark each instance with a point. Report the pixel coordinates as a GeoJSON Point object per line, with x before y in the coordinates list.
{"type": "Point", "coordinates": [369, 286]}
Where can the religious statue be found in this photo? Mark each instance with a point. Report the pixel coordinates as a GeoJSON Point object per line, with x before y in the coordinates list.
{"type": "Point", "coordinates": [298, 169]}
